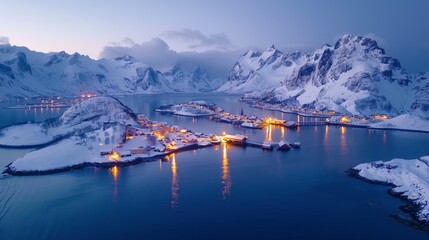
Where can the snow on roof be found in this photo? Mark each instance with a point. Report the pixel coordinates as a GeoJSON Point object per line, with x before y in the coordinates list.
{"type": "Point", "coordinates": [235, 137]}
{"type": "Point", "coordinates": [137, 142]}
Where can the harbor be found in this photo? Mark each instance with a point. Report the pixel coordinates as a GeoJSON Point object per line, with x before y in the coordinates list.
{"type": "Point", "coordinates": [216, 113]}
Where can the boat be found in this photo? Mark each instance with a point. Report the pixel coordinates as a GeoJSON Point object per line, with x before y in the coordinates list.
{"type": "Point", "coordinates": [295, 145]}
{"type": "Point", "coordinates": [165, 109]}
{"type": "Point", "coordinates": [250, 125]}
{"type": "Point", "coordinates": [215, 140]}
{"type": "Point", "coordinates": [267, 146]}
{"type": "Point", "coordinates": [290, 124]}
{"type": "Point", "coordinates": [237, 122]}
{"type": "Point", "coordinates": [284, 146]}
{"type": "Point", "coordinates": [224, 119]}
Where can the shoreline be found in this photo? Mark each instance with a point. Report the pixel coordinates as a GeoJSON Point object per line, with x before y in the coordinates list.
{"type": "Point", "coordinates": [404, 181]}
{"type": "Point", "coordinates": [345, 124]}
{"type": "Point", "coordinates": [39, 145]}
{"type": "Point", "coordinates": [130, 162]}
{"type": "Point", "coordinates": [410, 207]}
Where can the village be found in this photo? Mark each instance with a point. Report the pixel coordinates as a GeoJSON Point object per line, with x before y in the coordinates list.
{"type": "Point", "coordinates": [158, 139]}
{"type": "Point", "coordinates": [49, 102]}
{"type": "Point", "coordinates": [216, 113]}
{"type": "Point", "coordinates": [329, 116]}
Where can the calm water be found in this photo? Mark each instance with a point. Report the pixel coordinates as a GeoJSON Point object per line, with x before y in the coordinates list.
{"type": "Point", "coordinates": [223, 192]}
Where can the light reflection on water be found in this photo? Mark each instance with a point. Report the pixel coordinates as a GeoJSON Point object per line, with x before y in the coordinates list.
{"type": "Point", "coordinates": [287, 182]}
{"type": "Point", "coordinates": [115, 173]}
{"type": "Point", "coordinates": [174, 183]}
{"type": "Point", "coordinates": [226, 178]}
{"type": "Point", "coordinates": [325, 138]}
{"type": "Point", "coordinates": [343, 141]}
{"type": "Point", "coordinates": [283, 132]}
{"type": "Point", "coordinates": [269, 133]}
{"type": "Point", "coordinates": [384, 137]}
{"type": "Point", "coordinates": [42, 111]}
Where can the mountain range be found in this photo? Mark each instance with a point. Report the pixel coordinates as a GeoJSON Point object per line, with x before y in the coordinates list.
{"type": "Point", "coordinates": [26, 73]}
{"type": "Point", "coordinates": [355, 76]}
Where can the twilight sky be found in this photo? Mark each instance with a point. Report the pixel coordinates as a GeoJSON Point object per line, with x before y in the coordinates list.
{"type": "Point", "coordinates": [216, 32]}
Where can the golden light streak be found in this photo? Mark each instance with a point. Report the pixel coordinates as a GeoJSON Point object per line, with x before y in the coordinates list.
{"type": "Point", "coordinates": [174, 183]}
{"type": "Point", "coordinates": [325, 140]}
{"type": "Point", "coordinates": [283, 132]}
{"type": "Point", "coordinates": [114, 171]}
{"type": "Point", "coordinates": [226, 178]}
{"type": "Point", "coordinates": [343, 139]}
{"type": "Point", "coordinates": [268, 133]}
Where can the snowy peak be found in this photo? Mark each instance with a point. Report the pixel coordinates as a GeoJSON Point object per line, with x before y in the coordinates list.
{"type": "Point", "coordinates": [126, 58]}
{"type": "Point", "coordinates": [355, 76]}
{"type": "Point", "coordinates": [251, 54]}
{"type": "Point", "coordinates": [201, 79]}
{"type": "Point", "coordinates": [353, 41]}
{"type": "Point", "coordinates": [26, 73]}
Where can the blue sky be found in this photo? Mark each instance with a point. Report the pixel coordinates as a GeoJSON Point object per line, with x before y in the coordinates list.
{"type": "Point", "coordinates": [231, 27]}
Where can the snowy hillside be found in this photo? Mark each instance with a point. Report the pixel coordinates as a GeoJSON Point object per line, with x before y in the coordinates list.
{"type": "Point", "coordinates": [409, 177]}
{"type": "Point", "coordinates": [355, 76]}
{"type": "Point", "coordinates": [26, 73]}
{"type": "Point", "coordinates": [89, 115]}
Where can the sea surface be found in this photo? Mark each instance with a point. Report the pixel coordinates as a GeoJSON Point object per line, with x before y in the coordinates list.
{"type": "Point", "coordinates": [221, 192]}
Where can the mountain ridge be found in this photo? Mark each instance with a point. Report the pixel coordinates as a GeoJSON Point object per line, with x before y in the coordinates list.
{"type": "Point", "coordinates": [355, 76]}
{"type": "Point", "coordinates": [27, 73]}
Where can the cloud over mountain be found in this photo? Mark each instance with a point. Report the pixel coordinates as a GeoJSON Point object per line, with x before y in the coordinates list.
{"type": "Point", "coordinates": [195, 39]}
{"type": "Point", "coordinates": [154, 52]}
{"type": "Point", "coordinates": [4, 40]}
{"type": "Point", "coordinates": [157, 53]}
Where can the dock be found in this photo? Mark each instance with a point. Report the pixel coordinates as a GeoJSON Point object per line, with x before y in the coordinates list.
{"type": "Point", "coordinates": [267, 145]}
{"type": "Point", "coordinates": [317, 123]}
{"type": "Point", "coordinates": [261, 144]}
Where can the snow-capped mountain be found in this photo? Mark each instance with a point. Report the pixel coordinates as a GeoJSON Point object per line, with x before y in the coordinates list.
{"type": "Point", "coordinates": [27, 73]}
{"type": "Point", "coordinates": [354, 76]}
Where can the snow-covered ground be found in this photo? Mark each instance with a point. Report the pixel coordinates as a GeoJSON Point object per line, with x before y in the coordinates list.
{"type": "Point", "coordinates": [404, 122]}
{"type": "Point", "coordinates": [25, 135]}
{"type": "Point", "coordinates": [354, 77]}
{"type": "Point", "coordinates": [91, 114]}
{"type": "Point", "coordinates": [78, 152]}
{"type": "Point", "coordinates": [407, 122]}
{"type": "Point", "coordinates": [410, 179]}
{"type": "Point", "coordinates": [191, 109]}
{"type": "Point", "coordinates": [99, 131]}
{"type": "Point", "coordinates": [57, 156]}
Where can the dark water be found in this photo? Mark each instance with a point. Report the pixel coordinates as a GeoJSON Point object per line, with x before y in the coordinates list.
{"type": "Point", "coordinates": [223, 192]}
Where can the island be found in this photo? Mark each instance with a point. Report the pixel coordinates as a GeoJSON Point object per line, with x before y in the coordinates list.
{"type": "Point", "coordinates": [409, 178]}
{"type": "Point", "coordinates": [99, 131]}
{"type": "Point", "coordinates": [202, 109]}
{"type": "Point", "coordinates": [191, 109]}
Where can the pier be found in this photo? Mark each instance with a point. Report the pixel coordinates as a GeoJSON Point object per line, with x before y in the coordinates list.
{"type": "Point", "coordinates": [315, 123]}
{"type": "Point", "coordinates": [267, 145]}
